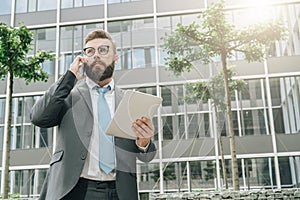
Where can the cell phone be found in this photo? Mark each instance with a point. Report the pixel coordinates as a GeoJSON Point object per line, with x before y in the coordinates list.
{"type": "Point", "coordinates": [82, 69]}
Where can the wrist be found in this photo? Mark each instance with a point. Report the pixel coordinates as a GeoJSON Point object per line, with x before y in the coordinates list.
{"type": "Point", "coordinates": [142, 147]}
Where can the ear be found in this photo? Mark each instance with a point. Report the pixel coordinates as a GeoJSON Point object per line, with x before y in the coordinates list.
{"type": "Point", "coordinates": [116, 59]}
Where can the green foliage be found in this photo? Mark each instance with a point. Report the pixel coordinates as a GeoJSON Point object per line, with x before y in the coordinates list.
{"type": "Point", "coordinates": [210, 170]}
{"type": "Point", "coordinates": [214, 37]}
{"type": "Point", "coordinates": [13, 196]}
{"type": "Point", "coordinates": [15, 43]}
{"type": "Point", "coordinates": [214, 89]}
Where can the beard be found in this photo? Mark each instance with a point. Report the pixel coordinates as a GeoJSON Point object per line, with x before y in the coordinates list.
{"type": "Point", "coordinates": [96, 73]}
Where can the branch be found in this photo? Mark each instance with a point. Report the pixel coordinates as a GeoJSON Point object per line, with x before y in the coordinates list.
{"type": "Point", "coordinates": [201, 41]}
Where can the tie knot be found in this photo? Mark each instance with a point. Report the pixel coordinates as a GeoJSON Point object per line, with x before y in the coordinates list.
{"type": "Point", "coordinates": [103, 90]}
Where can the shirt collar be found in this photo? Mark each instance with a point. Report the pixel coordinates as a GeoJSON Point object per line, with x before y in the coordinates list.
{"type": "Point", "coordinates": [91, 84]}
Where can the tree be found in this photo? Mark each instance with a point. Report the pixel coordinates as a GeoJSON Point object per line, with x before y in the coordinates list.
{"type": "Point", "coordinates": [214, 89]}
{"type": "Point", "coordinates": [216, 37]}
{"type": "Point", "coordinates": [15, 44]}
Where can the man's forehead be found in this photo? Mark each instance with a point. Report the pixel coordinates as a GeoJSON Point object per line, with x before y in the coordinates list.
{"type": "Point", "coordinates": [97, 42]}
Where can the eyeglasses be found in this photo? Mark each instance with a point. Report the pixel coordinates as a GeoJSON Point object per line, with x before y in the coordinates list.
{"type": "Point", "coordinates": [90, 51]}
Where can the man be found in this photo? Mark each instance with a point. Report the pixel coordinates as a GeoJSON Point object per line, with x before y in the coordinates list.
{"type": "Point", "coordinates": [80, 168]}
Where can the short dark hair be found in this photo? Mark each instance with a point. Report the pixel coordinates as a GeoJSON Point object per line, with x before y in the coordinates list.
{"type": "Point", "coordinates": [99, 33]}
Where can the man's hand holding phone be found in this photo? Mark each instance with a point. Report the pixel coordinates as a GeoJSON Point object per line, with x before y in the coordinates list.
{"type": "Point", "coordinates": [75, 66]}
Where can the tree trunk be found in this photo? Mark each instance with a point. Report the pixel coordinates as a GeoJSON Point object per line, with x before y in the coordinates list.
{"type": "Point", "coordinates": [223, 162]}
{"type": "Point", "coordinates": [221, 150]}
{"type": "Point", "coordinates": [234, 165]}
{"type": "Point", "coordinates": [6, 146]}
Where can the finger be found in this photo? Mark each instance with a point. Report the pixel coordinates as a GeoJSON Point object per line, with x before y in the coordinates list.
{"type": "Point", "coordinates": [77, 64]}
{"type": "Point", "coordinates": [145, 121]}
{"type": "Point", "coordinates": [145, 127]}
{"type": "Point", "coordinates": [140, 132]}
{"type": "Point", "coordinates": [79, 61]}
{"type": "Point", "coordinates": [148, 122]}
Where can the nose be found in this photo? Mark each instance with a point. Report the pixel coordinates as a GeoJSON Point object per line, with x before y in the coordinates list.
{"type": "Point", "coordinates": [97, 53]}
{"type": "Point", "coordinates": [97, 56]}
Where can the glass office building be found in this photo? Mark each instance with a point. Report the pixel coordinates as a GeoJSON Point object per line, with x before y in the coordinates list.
{"type": "Point", "coordinates": [266, 115]}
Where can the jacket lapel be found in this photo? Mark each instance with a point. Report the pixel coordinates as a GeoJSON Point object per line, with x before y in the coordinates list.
{"type": "Point", "coordinates": [85, 93]}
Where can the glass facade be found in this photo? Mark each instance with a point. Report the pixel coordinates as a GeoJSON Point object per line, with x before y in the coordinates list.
{"type": "Point", "coordinates": [265, 114]}
{"type": "Point", "coordinates": [26, 6]}
{"type": "Point", "coordinates": [24, 134]}
{"type": "Point", "coordinates": [133, 50]}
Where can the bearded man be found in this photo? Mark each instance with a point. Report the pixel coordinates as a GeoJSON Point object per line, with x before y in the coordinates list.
{"type": "Point", "coordinates": [87, 164]}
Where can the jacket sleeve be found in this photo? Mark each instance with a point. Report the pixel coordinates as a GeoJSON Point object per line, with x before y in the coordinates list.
{"type": "Point", "coordinates": [149, 154]}
{"type": "Point", "coordinates": [50, 108]}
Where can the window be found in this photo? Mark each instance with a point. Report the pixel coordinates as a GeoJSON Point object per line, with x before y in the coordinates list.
{"type": "Point", "coordinates": [198, 125]}
{"type": "Point", "coordinates": [1, 136]}
{"type": "Point", "coordinates": [44, 39]}
{"type": "Point", "coordinates": [203, 174]}
{"type": "Point", "coordinates": [121, 1]}
{"type": "Point", "coordinates": [259, 172]}
{"type": "Point", "coordinates": [24, 135]}
{"type": "Point", "coordinates": [93, 2]}
{"type": "Point", "coordinates": [173, 99]}
{"type": "Point", "coordinates": [24, 6]}
{"type": "Point", "coordinates": [21, 6]}
{"type": "Point", "coordinates": [168, 24]}
{"type": "Point", "coordinates": [285, 97]}
{"type": "Point", "coordinates": [32, 5]}
{"type": "Point", "coordinates": [174, 176]}
{"type": "Point", "coordinates": [2, 110]}
{"type": "Point", "coordinates": [173, 127]}
{"type": "Point", "coordinates": [149, 176]}
{"type": "Point", "coordinates": [133, 50]}
{"type": "Point", "coordinates": [27, 183]}
{"type": "Point", "coordinates": [5, 7]}
{"type": "Point", "coordinates": [46, 5]}
{"type": "Point", "coordinates": [80, 3]}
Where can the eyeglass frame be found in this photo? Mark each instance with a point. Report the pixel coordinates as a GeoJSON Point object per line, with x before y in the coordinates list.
{"type": "Point", "coordinates": [107, 46]}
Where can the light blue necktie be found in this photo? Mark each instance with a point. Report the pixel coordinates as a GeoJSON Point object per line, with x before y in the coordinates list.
{"type": "Point", "coordinates": [106, 143]}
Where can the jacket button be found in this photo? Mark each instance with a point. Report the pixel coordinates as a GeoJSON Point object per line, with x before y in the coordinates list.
{"type": "Point", "coordinates": [83, 156]}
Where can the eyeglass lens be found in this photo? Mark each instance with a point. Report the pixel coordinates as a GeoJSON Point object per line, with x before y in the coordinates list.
{"type": "Point", "coordinates": [90, 51]}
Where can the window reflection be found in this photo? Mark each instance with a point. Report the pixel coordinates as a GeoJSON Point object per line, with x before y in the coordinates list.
{"type": "Point", "coordinates": [203, 174]}
{"type": "Point", "coordinates": [140, 57]}
{"type": "Point", "coordinates": [168, 24]}
{"type": "Point", "coordinates": [80, 3]}
{"type": "Point", "coordinates": [173, 99]}
{"type": "Point", "coordinates": [121, 1]}
{"type": "Point", "coordinates": [2, 110]}
{"type": "Point", "coordinates": [24, 6]}
{"type": "Point", "coordinates": [93, 2]}
{"type": "Point", "coordinates": [175, 176]}
{"type": "Point", "coordinates": [149, 176]}
{"type": "Point", "coordinates": [1, 136]}
{"type": "Point", "coordinates": [173, 127]}
{"type": "Point", "coordinates": [5, 7]}
{"type": "Point", "coordinates": [21, 6]}
{"type": "Point", "coordinates": [133, 50]}
{"type": "Point", "coordinates": [32, 5]}
{"type": "Point", "coordinates": [24, 135]}
{"type": "Point", "coordinates": [198, 125]}
{"type": "Point", "coordinates": [259, 172]}
{"type": "Point", "coordinates": [46, 5]}
{"type": "Point", "coordinates": [27, 183]}
{"type": "Point", "coordinates": [44, 39]}
{"type": "Point", "coordinates": [286, 102]}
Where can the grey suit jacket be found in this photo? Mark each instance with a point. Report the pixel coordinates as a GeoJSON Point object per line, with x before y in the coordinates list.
{"type": "Point", "coordinates": [67, 104]}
